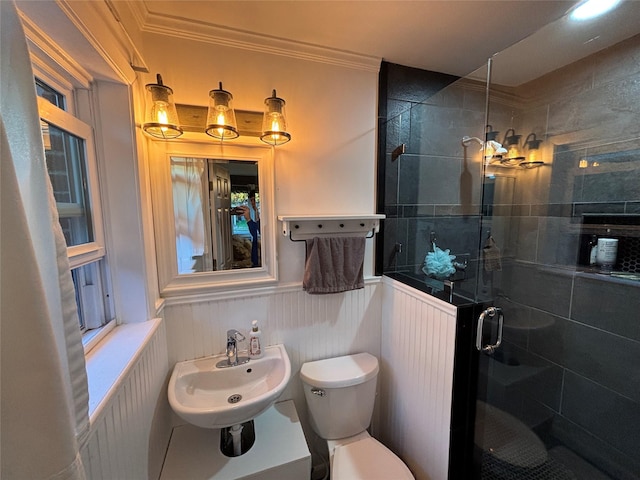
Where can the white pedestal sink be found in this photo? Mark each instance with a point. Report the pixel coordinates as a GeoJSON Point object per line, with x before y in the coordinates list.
{"type": "Point", "coordinates": [211, 397]}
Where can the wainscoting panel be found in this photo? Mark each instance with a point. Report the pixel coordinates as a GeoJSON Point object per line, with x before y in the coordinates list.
{"type": "Point", "coordinates": [418, 342]}
{"type": "Point", "coordinates": [311, 327]}
{"type": "Point", "coordinates": [121, 442]}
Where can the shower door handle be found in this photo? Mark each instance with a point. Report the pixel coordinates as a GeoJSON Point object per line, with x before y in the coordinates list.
{"type": "Point", "coordinates": [489, 312]}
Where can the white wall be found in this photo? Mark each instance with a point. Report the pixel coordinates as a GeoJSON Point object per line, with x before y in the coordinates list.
{"type": "Point", "coordinates": [329, 165]}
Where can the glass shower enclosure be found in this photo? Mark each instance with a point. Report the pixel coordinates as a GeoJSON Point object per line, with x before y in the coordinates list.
{"type": "Point", "coordinates": [514, 193]}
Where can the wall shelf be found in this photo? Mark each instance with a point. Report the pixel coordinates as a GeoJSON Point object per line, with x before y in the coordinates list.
{"type": "Point", "coordinates": [308, 226]}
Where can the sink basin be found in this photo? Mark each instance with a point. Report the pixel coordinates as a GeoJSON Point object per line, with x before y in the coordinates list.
{"type": "Point", "coordinates": [211, 397]}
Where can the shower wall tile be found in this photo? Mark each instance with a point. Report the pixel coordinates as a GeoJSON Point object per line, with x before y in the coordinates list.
{"type": "Point", "coordinates": [429, 172]}
{"type": "Point", "coordinates": [545, 385]}
{"type": "Point", "coordinates": [605, 110]}
{"type": "Point", "coordinates": [602, 357]}
{"type": "Point", "coordinates": [413, 84]}
{"type": "Point", "coordinates": [607, 305]}
{"type": "Point", "coordinates": [419, 211]}
{"type": "Point", "coordinates": [632, 207]}
{"type": "Point", "coordinates": [583, 208]}
{"type": "Point", "coordinates": [620, 61]}
{"type": "Point", "coordinates": [390, 186]}
{"type": "Point", "coordinates": [524, 234]}
{"type": "Point", "coordinates": [608, 416]}
{"type": "Point", "coordinates": [439, 131]}
{"type": "Point", "coordinates": [395, 231]}
{"type": "Point", "coordinates": [558, 241]}
{"type": "Point", "coordinates": [549, 340]}
{"type": "Point", "coordinates": [552, 210]}
{"type": "Point", "coordinates": [408, 178]}
{"type": "Point", "coordinates": [517, 320]}
{"type": "Point", "coordinates": [475, 95]}
{"type": "Point", "coordinates": [396, 107]}
{"type": "Point", "coordinates": [616, 186]}
{"type": "Point", "coordinates": [466, 210]}
{"type": "Point", "coordinates": [566, 82]}
{"type": "Point", "coordinates": [546, 289]}
{"type": "Point", "coordinates": [520, 210]}
{"type": "Point", "coordinates": [602, 454]}
{"type": "Point", "coordinates": [398, 124]}
{"type": "Point", "coordinates": [458, 234]}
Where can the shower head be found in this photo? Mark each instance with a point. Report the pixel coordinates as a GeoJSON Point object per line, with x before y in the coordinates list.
{"type": "Point", "coordinates": [467, 140]}
{"type": "Point", "coordinates": [492, 149]}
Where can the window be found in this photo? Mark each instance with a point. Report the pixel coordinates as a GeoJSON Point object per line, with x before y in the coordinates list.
{"type": "Point", "coordinates": [71, 163]}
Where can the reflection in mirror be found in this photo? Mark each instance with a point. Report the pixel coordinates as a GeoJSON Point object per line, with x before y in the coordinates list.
{"type": "Point", "coordinates": [202, 245]}
{"type": "Point", "coordinates": [216, 205]}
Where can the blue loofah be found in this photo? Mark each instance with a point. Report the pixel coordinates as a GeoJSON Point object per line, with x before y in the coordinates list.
{"type": "Point", "coordinates": [439, 263]}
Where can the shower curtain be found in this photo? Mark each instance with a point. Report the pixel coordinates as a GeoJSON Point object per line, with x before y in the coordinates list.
{"type": "Point", "coordinates": [44, 396]}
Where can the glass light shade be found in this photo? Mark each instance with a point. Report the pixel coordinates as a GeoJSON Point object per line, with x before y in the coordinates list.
{"type": "Point", "coordinates": [512, 144]}
{"type": "Point", "coordinates": [161, 117]}
{"type": "Point", "coordinates": [532, 152]}
{"type": "Point", "coordinates": [221, 118]}
{"type": "Point", "coordinates": [274, 122]}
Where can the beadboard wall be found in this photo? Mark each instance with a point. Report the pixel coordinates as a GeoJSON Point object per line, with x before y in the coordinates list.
{"type": "Point", "coordinates": [413, 334]}
{"type": "Point", "coordinates": [312, 327]}
{"type": "Point", "coordinates": [129, 434]}
{"type": "Point", "coordinates": [418, 343]}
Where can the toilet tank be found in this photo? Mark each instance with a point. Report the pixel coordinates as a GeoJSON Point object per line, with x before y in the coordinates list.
{"type": "Point", "coordinates": [340, 394]}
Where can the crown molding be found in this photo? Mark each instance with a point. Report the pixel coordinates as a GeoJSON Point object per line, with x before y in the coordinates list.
{"type": "Point", "coordinates": [47, 47]}
{"type": "Point", "coordinates": [99, 24]}
{"type": "Point", "coordinates": [200, 31]}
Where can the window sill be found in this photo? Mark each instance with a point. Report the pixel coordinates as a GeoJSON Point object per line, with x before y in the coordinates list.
{"type": "Point", "coordinates": [112, 358]}
{"type": "Point", "coordinates": [93, 337]}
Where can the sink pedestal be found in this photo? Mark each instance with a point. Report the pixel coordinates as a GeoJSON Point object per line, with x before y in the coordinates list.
{"type": "Point", "coordinates": [280, 451]}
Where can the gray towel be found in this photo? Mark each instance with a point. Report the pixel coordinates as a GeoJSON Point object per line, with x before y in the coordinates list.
{"type": "Point", "coordinates": [334, 264]}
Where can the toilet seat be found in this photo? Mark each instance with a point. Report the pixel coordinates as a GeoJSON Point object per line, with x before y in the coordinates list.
{"type": "Point", "coordinates": [367, 459]}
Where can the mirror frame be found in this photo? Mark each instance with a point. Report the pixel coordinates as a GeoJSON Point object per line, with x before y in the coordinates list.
{"type": "Point", "coordinates": [170, 282]}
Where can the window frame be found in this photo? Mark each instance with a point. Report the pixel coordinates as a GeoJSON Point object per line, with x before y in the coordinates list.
{"type": "Point", "coordinates": [92, 255]}
{"type": "Point", "coordinates": [85, 253]}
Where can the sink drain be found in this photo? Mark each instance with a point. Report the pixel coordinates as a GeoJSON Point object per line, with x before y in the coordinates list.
{"type": "Point", "coordinates": [235, 398]}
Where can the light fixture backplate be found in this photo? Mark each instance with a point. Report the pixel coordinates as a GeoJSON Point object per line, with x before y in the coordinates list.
{"type": "Point", "coordinates": [193, 118]}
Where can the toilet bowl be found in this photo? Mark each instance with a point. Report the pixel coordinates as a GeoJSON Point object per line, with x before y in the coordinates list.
{"type": "Point", "coordinates": [340, 394]}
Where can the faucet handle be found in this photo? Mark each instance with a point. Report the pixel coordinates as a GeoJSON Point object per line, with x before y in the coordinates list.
{"type": "Point", "coordinates": [234, 334]}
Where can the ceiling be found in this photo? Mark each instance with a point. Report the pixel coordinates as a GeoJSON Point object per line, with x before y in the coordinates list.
{"type": "Point", "coordinates": [453, 36]}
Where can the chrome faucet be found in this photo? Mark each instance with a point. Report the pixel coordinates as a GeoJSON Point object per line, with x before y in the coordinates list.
{"type": "Point", "coordinates": [233, 336]}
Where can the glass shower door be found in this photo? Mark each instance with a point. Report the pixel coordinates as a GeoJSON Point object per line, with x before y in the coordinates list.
{"type": "Point", "coordinates": [559, 397]}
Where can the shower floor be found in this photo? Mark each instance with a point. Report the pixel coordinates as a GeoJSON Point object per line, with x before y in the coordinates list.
{"type": "Point", "coordinates": [562, 464]}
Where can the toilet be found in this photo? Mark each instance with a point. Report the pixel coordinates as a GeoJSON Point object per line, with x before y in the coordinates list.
{"type": "Point", "coordinates": [340, 394]}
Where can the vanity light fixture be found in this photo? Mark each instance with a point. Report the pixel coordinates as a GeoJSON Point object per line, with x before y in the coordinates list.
{"type": "Point", "coordinates": [221, 119]}
{"type": "Point", "coordinates": [532, 148]}
{"type": "Point", "coordinates": [512, 144]}
{"type": "Point", "coordinates": [274, 122]}
{"type": "Point", "coordinates": [161, 118]}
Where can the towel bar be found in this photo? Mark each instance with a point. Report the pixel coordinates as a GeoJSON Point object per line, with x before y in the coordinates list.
{"type": "Point", "coordinates": [370, 235]}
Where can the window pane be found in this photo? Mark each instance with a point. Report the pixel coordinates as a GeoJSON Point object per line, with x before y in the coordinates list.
{"type": "Point", "coordinates": [50, 94]}
{"type": "Point", "coordinates": [91, 295]}
{"type": "Point", "coordinates": [67, 170]}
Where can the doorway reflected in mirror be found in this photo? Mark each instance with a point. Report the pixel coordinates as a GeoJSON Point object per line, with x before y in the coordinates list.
{"type": "Point", "coordinates": [216, 207]}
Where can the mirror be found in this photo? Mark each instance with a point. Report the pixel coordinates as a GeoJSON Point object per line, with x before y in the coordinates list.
{"type": "Point", "coordinates": [216, 206]}
{"type": "Point", "coordinates": [213, 216]}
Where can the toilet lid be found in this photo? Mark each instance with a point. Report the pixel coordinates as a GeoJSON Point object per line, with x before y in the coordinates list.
{"type": "Point", "coordinates": [367, 459]}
